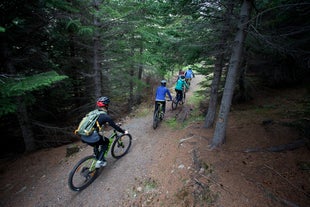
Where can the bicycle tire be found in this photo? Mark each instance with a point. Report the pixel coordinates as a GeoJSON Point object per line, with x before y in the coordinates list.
{"type": "Point", "coordinates": [155, 119]}
{"type": "Point", "coordinates": [174, 103]}
{"type": "Point", "coordinates": [184, 96]}
{"type": "Point", "coordinates": [121, 145]}
{"type": "Point", "coordinates": [80, 176]}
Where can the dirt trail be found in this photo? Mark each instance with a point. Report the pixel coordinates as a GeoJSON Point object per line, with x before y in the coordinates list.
{"type": "Point", "coordinates": [40, 179]}
{"type": "Point", "coordinates": [174, 168]}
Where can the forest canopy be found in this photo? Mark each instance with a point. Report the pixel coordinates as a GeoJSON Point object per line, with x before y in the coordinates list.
{"type": "Point", "coordinates": [58, 57]}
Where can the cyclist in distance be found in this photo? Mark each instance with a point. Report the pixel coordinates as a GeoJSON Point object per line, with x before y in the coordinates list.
{"type": "Point", "coordinates": [179, 86]}
{"type": "Point", "coordinates": [189, 74]}
{"type": "Point", "coordinates": [100, 140]}
{"type": "Point", "coordinates": [160, 96]}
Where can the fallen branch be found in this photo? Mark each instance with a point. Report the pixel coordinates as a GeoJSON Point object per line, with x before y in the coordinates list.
{"type": "Point", "coordinates": [280, 148]}
{"type": "Point", "coordinates": [185, 139]}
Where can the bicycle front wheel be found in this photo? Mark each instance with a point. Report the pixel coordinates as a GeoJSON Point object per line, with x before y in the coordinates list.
{"type": "Point", "coordinates": [174, 103]}
{"type": "Point", "coordinates": [83, 173]}
{"type": "Point", "coordinates": [121, 146]}
{"type": "Point", "coordinates": [184, 96]}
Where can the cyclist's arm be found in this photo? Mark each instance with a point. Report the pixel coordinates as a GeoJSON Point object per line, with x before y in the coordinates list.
{"type": "Point", "coordinates": [186, 85]}
{"type": "Point", "coordinates": [107, 119]}
{"type": "Point", "coordinates": [169, 95]}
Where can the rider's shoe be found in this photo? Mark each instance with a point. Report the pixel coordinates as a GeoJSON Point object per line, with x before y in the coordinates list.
{"type": "Point", "coordinates": [101, 163]}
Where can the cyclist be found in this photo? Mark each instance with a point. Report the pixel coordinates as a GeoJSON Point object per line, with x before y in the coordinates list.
{"type": "Point", "coordinates": [179, 87]}
{"type": "Point", "coordinates": [160, 96]}
{"type": "Point", "coordinates": [181, 72]}
{"type": "Point", "coordinates": [99, 141]}
{"type": "Point", "coordinates": [189, 74]}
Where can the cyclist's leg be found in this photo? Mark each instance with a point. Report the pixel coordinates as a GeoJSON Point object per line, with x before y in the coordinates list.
{"type": "Point", "coordinates": [156, 106]}
{"type": "Point", "coordinates": [103, 142]}
{"type": "Point", "coordinates": [179, 95]}
{"type": "Point", "coordinates": [164, 106]}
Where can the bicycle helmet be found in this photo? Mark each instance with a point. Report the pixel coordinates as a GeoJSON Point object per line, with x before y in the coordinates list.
{"type": "Point", "coordinates": [163, 82]}
{"type": "Point", "coordinates": [103, 101]}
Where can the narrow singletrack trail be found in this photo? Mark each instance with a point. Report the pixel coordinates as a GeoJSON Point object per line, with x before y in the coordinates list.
{"type": "Point", "coordinates": [40, 179]}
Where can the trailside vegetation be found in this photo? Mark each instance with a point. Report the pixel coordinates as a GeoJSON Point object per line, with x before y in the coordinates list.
{"type": "Point", "coordinates": [57, 57]}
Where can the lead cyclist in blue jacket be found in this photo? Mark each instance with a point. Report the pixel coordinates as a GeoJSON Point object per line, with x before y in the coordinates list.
{"type": "Point", "coordinates": [160, 96]}
{"type": "Point", "coordinates": [189, 74]}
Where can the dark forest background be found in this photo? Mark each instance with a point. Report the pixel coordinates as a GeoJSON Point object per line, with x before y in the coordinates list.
{"type": "Point", "coordinates": [57, 57]}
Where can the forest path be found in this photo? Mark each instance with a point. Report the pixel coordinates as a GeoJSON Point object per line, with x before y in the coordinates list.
{"type": "Point", "coordinates": [40, 178]}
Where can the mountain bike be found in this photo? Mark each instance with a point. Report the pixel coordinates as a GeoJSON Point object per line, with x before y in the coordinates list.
{"type": "Point", "coordinates": [177, 100]}
{"type": "Point", "coordinates": [188, 81]}
{"type": "Point", "coordinates": [158, 115]}
{"type": "Point", "coordinates": [85, 172]}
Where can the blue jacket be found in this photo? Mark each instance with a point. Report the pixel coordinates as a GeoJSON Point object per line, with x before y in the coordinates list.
{"type": "Point", "coordinates": [161, 93]}
{"type": "Point", "coordinates": [189, 74]}
{"type": "Point", "coordinates": [180, 84]}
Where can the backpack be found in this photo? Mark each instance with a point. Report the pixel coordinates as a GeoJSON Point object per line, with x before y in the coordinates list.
{"type": "Point", "coordinates": [86, 126]}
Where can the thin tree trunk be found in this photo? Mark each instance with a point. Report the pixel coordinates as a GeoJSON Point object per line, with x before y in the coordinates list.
{"type": "Point", "coordinates": [22, 113]}
{"type": "Point", "coordinates": [131, 85]}
{"type": "Point", "coordinates": [220, 129]}
{"type": "Point", "coordinates": [209, 120]}
{"type": "Point", "coordinates": [96, 59]}
{"type": "Point", "coordinates": [140, 72]}
{"type": "Point", "coordinates": [24, 124]}
{"type": "Point", "coordinates": [218, 67]}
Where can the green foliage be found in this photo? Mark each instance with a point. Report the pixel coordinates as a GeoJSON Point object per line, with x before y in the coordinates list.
{"type": "Point", "coordinates": [29, 83]}
{"type": "Point", "coordinates": [10, 88]}
{"type": "Point", "coordinates": [62, 5]}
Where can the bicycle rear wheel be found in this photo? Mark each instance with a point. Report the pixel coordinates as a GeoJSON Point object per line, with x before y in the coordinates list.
{"type": "Point", "coordinates": [174, 103]}
{"type": "Point", "coordinates": [83, 173]}
{"type": "Point", "coordinates": [156, 119]}
{"type": "Point", "coordinates": [121, 146]}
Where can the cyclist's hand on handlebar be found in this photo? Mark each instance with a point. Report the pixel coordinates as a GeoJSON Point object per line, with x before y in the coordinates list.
{"type": "Point", "coordinates": [118, 124]}
{"type": "Point", "coordinates": [126, 132]}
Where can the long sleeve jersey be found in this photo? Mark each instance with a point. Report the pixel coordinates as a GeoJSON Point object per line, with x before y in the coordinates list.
{"type": "Point", "coordinates": [161, 93]}
{"type": "Point", "coordinates": [180, 84]}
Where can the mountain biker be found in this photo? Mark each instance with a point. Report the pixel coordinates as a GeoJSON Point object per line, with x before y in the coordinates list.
{"type": "Point", "coordinates": [179, 87]}
{"type": "Point", "coordinates": [99, 141]}
{"type": "Point", "coordinates": [189, 74]}
{"type": "Point", "coordinates": [181, 72]}
{"type": "Point", "coordinates": [160, 96]}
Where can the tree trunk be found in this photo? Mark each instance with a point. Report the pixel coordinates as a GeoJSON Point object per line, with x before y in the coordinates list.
{"type": "Point", "coordinates": [131, 86]}
{"type": "Point", "coordinates": [140, 72]}
{"type": "Point", "coordinates": [24, 124]}
{"type": "Point", "coordinates": [218, 67]}
{"type": "Point", "coordinates": [96, 59]}
{"type": "Point", "coordinates": [209, 120]}
{"type": "Point", "coordinates": [220, 129]}
{"type": "Point", "coordinates": [22, 113]}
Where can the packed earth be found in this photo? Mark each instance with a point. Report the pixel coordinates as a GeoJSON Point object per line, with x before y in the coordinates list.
{"type": "Point", "coordinates": [173, 166]}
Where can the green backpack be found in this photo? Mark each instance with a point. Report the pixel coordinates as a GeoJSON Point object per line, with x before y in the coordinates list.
{"type": "Point", "coordinates": [86, 126]}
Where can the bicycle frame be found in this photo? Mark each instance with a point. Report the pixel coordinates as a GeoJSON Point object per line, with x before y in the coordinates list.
{"type": "Point", "coordinates": [111, 140]}
{"type": "Point", "coordinates": [157, 115]}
